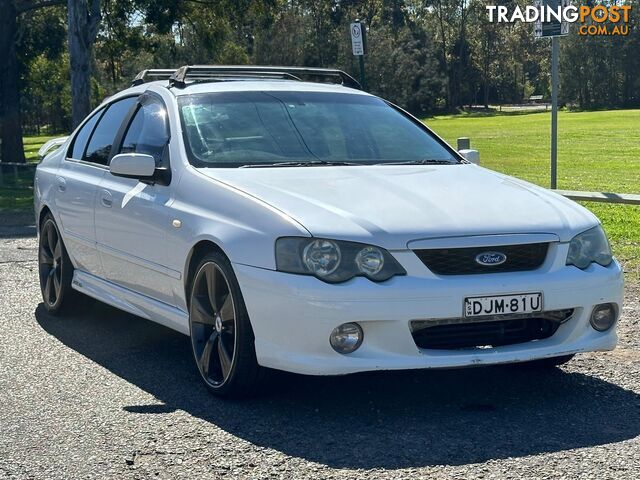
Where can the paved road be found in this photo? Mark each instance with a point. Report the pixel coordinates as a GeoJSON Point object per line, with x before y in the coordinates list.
{"type": "Point", "coordinates": [103, 394]}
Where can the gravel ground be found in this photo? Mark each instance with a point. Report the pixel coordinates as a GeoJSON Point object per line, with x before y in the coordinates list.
{"type": "Point", "coordinates": [104, 394]}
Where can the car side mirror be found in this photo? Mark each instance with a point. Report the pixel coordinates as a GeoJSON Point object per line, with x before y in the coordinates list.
{"type": "Point", "coordinates": [133, 165]}
{"type": "Point", "coordinates": [472, 156]}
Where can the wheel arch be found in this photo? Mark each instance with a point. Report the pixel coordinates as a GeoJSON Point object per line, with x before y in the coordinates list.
{"type": "Point", "coordinates": [44, 210]}
{"type": "Point", "coordinates": [197, 252]}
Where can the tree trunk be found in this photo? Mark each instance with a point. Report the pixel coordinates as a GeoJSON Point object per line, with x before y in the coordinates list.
{"type": "Point", "coordinates": [83, 20]}
{"type": "Point", "coordinates": [12, 149]}
{"type": "Point", "coordinates": [486, 95]}
{"type": "Point", "coordinates": [445, 63]}
{"type": "Point", "coordinates": [486, 64]}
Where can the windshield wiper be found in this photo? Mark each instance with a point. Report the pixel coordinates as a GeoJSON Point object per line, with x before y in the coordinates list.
{"type": "Point", "coordinates": [424, 161]}
{"type": "Point", "coordinates": [310, 163]}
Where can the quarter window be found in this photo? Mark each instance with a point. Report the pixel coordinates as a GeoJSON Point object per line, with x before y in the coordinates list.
{"type": "Point", "coordinates": [148, 132]}
{"type": "Point", "coordinates": [105, 132]}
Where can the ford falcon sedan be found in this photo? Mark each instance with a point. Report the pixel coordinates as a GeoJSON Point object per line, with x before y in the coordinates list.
{"type": "Point", "coordinates": [285, 219]}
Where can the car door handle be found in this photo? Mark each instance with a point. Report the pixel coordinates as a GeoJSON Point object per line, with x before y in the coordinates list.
{"type": "Point", "coordinates": [106, 199]}
{"type": "Point", "coordinates": [62, 184]}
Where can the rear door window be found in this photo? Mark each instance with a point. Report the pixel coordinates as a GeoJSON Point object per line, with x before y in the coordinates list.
{"type": "Point", "coordinates": [105, 132]}
{"type": "Point", "coordinates": [80, 142]}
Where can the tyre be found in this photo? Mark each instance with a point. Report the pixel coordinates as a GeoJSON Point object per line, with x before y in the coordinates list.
{"type": "Point", "coordinates": [55, 270]}
{"type": "Point", "coordinates": [549, 362]}
{"type": "Point", "coordinates": [222, 339]}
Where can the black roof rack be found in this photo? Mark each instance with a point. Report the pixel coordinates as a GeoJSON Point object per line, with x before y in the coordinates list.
{"type": "Point", "coordinates": [152, 74]}
{"type": "Point", "coordinates": [209, 73]}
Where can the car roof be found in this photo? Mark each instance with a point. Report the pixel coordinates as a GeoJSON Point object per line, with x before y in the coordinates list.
{"type": "Point", "coordinates": [264, 85]}
{"type": "Point", "coordinates": [239, 86]}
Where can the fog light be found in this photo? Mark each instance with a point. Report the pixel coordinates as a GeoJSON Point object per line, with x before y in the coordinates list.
{"type": "Point", "coordinates": [603, 316]}
{"type": "Point", "coordinates": [346, 338]}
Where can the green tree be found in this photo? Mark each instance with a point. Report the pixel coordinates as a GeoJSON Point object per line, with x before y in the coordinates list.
{"type": "Point", "coordinates": [12, 149]}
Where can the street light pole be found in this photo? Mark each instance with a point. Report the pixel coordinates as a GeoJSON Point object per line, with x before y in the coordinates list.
{"type": "Point", "coordinates": [555, 51]}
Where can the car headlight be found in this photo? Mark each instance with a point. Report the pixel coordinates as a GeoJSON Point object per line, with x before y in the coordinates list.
{"type": "Point", "coordinates": [335, 260]}
{"type": "Point", "coordinates": [590, 247]}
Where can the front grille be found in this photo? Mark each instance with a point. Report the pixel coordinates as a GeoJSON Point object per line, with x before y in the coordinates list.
{"type": "Point", "coordinates": [456, 333]}
{"type": "Point", "coordinates": [462, 261]}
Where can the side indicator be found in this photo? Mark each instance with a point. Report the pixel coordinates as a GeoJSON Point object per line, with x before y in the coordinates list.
{"type": "Point", "coordinates": [176, 223]}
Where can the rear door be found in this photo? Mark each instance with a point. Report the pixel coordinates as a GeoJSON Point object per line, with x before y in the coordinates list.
{"type": "Point", "coordinates": [132, 217]}
{"type": "Point", "coordinates": [77, 183]}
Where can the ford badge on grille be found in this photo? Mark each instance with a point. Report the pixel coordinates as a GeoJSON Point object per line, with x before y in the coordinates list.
{"type": "Point", "coordinates": [488, 259]}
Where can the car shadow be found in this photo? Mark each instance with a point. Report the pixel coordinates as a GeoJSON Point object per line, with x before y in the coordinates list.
{"type": "Point", "coordinates": [374, 420]}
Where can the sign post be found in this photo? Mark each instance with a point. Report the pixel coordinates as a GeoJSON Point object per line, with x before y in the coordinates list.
{"type": "Point", "coordinates": [555, 30]}
{"type": "Point", "coordinates": [359, 46]}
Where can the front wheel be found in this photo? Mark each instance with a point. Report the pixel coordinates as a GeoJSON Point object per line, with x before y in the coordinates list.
{"type": "Point", "coordinates": [221, 335]}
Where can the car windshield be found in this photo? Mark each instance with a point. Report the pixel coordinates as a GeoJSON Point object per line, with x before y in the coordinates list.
{"type": "Point", "coordinates": [236, 129]}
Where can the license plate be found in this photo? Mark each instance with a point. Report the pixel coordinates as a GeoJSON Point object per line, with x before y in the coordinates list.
{"type": "Point", "coordinates": [503, 304]}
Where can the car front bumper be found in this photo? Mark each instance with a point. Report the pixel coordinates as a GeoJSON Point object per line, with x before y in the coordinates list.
{"type": "Point", "coordinates": [293, 315]}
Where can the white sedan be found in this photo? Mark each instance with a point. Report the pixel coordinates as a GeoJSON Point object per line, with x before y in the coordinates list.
{"type": "Point", "coordinates": [311, 227]}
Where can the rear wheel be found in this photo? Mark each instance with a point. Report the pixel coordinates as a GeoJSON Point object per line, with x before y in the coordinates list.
{"type": "Point", "coordinates": [221, 335]}
{"type": "Point", "coordinates": [55, 269]}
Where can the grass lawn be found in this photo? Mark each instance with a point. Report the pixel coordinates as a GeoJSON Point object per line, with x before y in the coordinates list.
{"type": "Point", "coordinates": [597, 151]}
{"type": "Point", "coordinates": [33, 144]}
{"type": "Point", "coordinates": [15, 198]}
{"type": "Point", "coordinates": [17, 193]}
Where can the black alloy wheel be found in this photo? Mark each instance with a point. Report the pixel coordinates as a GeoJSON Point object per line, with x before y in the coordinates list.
{"type": "Point", "coordinates": [221, 336]}
{"type": "Point", "coordinates": [55, 270]}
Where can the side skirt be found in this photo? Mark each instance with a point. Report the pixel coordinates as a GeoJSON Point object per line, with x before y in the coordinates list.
{"type": "Point", "coordinates": [131, 302]}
